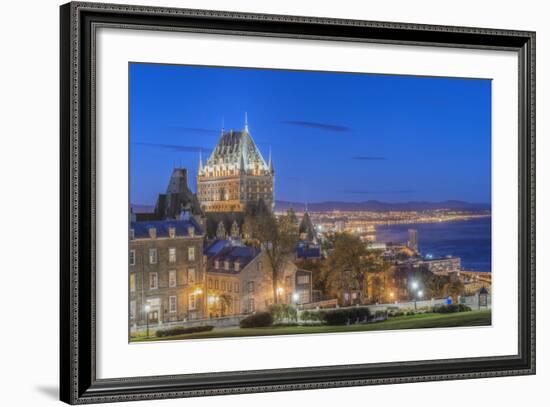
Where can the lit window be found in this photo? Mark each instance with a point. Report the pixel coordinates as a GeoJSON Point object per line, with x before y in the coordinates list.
{"type": "Point", "coordinates": [172, 281]}
{"type": "Point", "coordinates": [132, 257]}
{"type": "Point", "coordinates": [192, 302]}
{"type": "Point", "coordinates": [132, 282]}
{"type": "Point", "coordinates": [172, 303]}
{"type": "Point", "coordinates": [250, 286]}
{"type": "Point", "coordinates": [303, 279]}
{"type": "Point", "coordinates": [153, 281]}
{"type": "Point", "coordinates": [191, 253]}
{"type": "Point", "coordinates": [172, 255]}
{"type": "Point", "coordinates": [191, 277]}
{"type": "Point", "coordinates": [152, 256]}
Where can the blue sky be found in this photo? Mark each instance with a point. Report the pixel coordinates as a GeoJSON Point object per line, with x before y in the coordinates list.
{"type": "Point", "coordinates": [333, 136]}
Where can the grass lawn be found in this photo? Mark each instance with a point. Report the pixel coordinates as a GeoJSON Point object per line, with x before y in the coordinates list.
{"type": "Point", "coordinates": [471, 318]}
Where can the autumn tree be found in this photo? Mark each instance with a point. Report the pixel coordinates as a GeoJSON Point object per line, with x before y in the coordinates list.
{"type": "Point", "coordinates": [344, 268]}
{"type": "Point", "coordinates": [276, 236]}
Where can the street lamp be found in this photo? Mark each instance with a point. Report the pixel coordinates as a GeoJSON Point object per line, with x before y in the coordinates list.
{"type": "Point", "coordinates": [417, 294]}
{"type": "Point", "coordinates": [147, 309]}
{"type": "Point", "coordinates": [295, 297]}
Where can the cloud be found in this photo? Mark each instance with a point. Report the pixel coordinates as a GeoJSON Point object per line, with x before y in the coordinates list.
{"type": "Point", "coordinates": [175, 147]}
{"type": "Point", "coordinates": [368, 158]}
{"type": "Point", "coordinates": [381, 192]}
{"type": "Point", "coordinates": [195, 130]}
{"type": "Point", "coordinates": [320, 126]}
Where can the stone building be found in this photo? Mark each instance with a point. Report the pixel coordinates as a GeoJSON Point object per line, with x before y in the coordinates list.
{"type": "Point", "coordinates": [166, 271]}
{"type": "Point", "coordinates": [231, 265]}
{"type": "Point", "coordinates": [235, 174]}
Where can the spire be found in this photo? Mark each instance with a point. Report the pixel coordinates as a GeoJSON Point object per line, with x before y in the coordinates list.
{"type": "Point", "coordinates": [246, 121]}
{"type": "Point", "coordinates": [200, 161]}
{"type": "Point", "coordinates": [223, 124]}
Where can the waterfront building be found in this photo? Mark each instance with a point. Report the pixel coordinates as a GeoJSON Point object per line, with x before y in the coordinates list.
{"type": "Point", "coordinates": [166, 271]}
{"type": "Point", "coordinates": [413, 239]}
{"type": "Point", "coordinates": [235, 174]}
{"type": "Point", "coordinates": [443, 266]}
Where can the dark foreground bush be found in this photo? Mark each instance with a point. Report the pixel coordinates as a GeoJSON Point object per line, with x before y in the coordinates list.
{"type": "Point", "coordinates": [180, 330]}
{"type": "Point", "coordinates": [257, 320]}
{"type": "Point", "coordinates": [344, 316]}
{"type": "Point", "coordinates": [450, 308]}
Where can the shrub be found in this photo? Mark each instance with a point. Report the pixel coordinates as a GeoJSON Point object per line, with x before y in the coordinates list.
{"type": "Point", "coordinates": [344, 316]}
{"type": "Point", "coordinates": [258, 320]}
{"type": "Point", "coordinates": [181, 330]}
{"type": "Point", "coordinates": [313, 316]}
{"type": "Point", "coordinates": [283, 312]}
{"type": "Point", "coordinates": [450, 308]}
{"type": "Point", "coordinates": [336, 317]}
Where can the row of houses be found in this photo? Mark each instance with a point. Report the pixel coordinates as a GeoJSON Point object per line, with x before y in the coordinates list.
{"type": "Point", "coordinates": [175, 275]}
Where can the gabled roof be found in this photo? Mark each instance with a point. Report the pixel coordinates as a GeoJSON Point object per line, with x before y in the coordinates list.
{"type": "Point", "coordinates": [141, 228]}
{"type": "Point", "coordinates": [222, 251]}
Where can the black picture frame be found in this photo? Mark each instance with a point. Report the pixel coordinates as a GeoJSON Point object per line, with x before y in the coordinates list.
{"type": "Point", "coordinates": [78, 382]}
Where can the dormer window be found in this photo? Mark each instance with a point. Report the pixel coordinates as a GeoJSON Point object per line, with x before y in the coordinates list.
{"type": "Point", "coordinates": [191, 231]}
{"type": "Point", "coordinates": [226, 265]}
{"type": "Point", "coordinates": [172, 232]}
{"type": "Point", "coordinates": [132, 234]}
{"type": "Point", "coordinates": [217, 264]}
{"type": "Point", "coordinates": [153, 233]}
{"type": "Point", "coordinates": [237, 266]}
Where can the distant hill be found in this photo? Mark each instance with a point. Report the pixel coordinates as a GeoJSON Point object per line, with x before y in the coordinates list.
{"type": "Point", "coordinates": [378, 206]}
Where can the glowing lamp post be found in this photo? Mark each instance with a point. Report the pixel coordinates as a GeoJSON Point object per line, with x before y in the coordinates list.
{"type": "Point", "coordinates": [295, 297]}
{"type": "Point", "coordinates": [417, 294]}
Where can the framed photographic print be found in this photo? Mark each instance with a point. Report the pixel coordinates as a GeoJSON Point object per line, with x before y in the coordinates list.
{"type": "Point", "coordinates": [256, 203]}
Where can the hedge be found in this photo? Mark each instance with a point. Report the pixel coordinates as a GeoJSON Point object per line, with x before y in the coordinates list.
{"type": "Point", "coordinates": [283, 313]}
{"type": "Point", "coordinates": [450, 308]}
{"type": "Point", "coordinates": [180, 330]}
{"type": "Point", "coordinates": [257, 320]}
{"type": "Point", "coordinates": [344, 316]}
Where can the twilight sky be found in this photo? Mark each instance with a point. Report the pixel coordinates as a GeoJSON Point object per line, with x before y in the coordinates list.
{"type": "Point", "coordinates": [333, 136]}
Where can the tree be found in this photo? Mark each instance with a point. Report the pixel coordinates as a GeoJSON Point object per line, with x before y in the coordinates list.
{"type": "Point", "coordinates": [454, 289]}
{"type": "Point", "coordinates": [377, 285]}
{"type": "Point", "coordinates": [344, 270]}
{"type": "Point", "coordinates": [435, 285]}
{"type": "Point", "coordinates": [276, 236]}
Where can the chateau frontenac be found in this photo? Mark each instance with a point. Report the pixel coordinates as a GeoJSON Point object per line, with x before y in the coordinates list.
{"type": "Point", "coordinates": [235, 174]}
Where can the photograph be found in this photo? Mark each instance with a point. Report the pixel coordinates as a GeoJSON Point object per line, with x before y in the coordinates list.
{"type": "Point", "coordinates": [268, 202]}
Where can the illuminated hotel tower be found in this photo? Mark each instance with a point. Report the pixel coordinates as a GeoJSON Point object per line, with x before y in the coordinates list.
{"type": "Point", "coordinates": [235, 174]}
